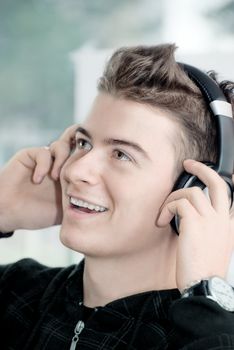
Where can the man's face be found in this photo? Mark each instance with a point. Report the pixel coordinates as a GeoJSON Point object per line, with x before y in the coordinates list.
{"type": "Point", "coordinates": [126, 165]}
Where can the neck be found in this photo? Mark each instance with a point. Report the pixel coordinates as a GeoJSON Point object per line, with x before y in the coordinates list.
{"type": "Point", "coordinates": [107, 279]}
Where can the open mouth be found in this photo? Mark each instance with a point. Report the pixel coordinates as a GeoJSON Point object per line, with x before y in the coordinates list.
{"type": "Point", "coordinates": [86, 207]}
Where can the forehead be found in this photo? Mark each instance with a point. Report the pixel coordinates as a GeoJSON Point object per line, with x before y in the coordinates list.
{"type": "Point", "coordinates": [114, 117]}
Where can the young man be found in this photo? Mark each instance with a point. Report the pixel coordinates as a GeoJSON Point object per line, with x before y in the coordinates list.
{"type": "Point", "coordinates": [117, 202]}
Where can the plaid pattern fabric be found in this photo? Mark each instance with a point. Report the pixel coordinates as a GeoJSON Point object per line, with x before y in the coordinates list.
{"type": "Point", "coordinates": [40, 307]}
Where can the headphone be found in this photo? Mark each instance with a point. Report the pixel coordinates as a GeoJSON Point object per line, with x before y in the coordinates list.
{"type": "Point", "coordinates": [221, 110]}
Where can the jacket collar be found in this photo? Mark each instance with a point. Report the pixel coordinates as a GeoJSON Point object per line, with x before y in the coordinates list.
{"type": "Point", "coordinates": [152, 304]}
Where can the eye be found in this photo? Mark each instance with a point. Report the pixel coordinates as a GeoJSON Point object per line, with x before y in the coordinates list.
{"type": "Point", "coordinates": [83, 144]}
{"type": "Point", "coordinates": [121, 155]}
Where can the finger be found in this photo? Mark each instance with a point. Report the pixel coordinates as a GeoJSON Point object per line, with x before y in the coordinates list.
{"type": "Point", "coordinates": [69, 134]}
{"type": "Point", "coordinates": [181, 207]}
{"type": "Point", "coordinates": [43, 161]}
{"type": "Point", "coordinates": [217, 187]}
{"type": "Point", "coordinates": [60, 151]}
{"type": "Point", "coordinates": [195, 196]}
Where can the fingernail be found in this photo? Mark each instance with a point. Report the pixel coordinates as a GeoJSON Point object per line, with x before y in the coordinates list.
{"type": "Point", "coordinates": [189, 161]}
{"type": "Point", "coordinates": [38, 178]}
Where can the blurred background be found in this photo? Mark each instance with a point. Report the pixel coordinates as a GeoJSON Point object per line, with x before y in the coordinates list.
{"type": "Point", "coordinates": [53, 51]}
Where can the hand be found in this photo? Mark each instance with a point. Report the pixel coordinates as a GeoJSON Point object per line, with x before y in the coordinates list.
{"type": "Point", "coordinates": [205, 242]}
{"type": "Point", "coordinates": [30, 187]}
{"type": "Point", "coordinates": [61, 149]}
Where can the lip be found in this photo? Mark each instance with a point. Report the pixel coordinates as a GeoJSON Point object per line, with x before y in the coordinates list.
{"type": "Point", "coordinates": [85, 200]}
{"type": "Point", "coordinates": [76, 214]}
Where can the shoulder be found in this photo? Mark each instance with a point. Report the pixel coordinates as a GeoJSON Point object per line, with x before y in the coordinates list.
{"type": "Point", "coordinates": [30, 274]}
{"type": "Point", "coordinates": [27, 290]}
{"type": "Point", "coordinates": [26, 269]}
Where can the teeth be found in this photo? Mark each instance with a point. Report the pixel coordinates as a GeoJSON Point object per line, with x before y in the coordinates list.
{"type": "Point", "coordinates": [80, 203]}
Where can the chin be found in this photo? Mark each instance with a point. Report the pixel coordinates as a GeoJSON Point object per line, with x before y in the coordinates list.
{"type": "Point", "coordinates": [85, 244]}
{"type": "Point", "coordinates": [71, 239]}
{"type": "Point", "coordinates": [92, 247]}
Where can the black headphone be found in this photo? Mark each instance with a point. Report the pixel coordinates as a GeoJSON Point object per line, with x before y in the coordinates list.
{"type": "Point", "coordinates": [221, 110]}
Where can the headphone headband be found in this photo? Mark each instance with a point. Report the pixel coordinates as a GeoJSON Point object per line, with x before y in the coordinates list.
{"type": "Point", "coordinates": [221, 110]}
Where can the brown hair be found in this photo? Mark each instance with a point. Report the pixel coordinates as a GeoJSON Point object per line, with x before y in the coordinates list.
{"type": "Point", "coordinates": [150, 75]}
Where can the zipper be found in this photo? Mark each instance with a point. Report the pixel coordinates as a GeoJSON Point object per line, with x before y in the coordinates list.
{"type": "Point", "coordinates": [78, 329]}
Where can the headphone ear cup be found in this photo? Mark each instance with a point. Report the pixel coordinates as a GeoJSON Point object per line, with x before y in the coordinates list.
{"type": "Point", "coordinates": [187, 180]}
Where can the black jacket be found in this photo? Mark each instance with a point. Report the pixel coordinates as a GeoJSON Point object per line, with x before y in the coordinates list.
{"type": "Point", "coordinates": [40, 307]}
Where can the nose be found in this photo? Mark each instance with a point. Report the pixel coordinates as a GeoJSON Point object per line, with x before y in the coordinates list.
{"type": "Point", "coordinates": [86, 168]}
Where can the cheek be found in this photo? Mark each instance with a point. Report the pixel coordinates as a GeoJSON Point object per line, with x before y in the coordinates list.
{"type": "Point", "coordinates": [62, 173]}
{"type": "Point", "coordinates": [64, 184]}
{"type": "Point", "coordinates": [140, 203]}
{"type": "Point", "coordinates": [150, 193]}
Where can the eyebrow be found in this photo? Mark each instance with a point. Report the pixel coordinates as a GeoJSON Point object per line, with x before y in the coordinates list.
{"type": "Point", "coordinates": [84, 132]}
{"type": "Point", "coordinates": [112, 141]}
